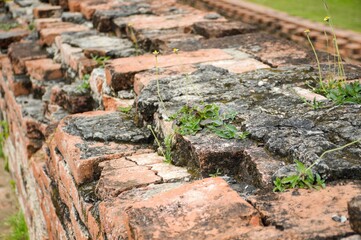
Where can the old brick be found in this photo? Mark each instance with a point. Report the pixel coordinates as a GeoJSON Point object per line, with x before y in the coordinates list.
{"type": "Point", "coordinates": [201, 210]}
{"type": "Point", "coordinates": [119, 175]}
{"type": "Point", "coordinates": [222, 29]}
{"type": "Point", "coordinates": [42, 23]}
{"type": "Point", "coordinates": [71, 98]}
{"type": "Point", "coordinates": [6, 38]}
{"type": "Point", "coordinates": [354, 211]}
{"type": "Point", "coordinates": [47, 35]}
{"type": "Point", "coordinates": [120, 72]}
{"type": "Point", "coordinates": [182, 22]}
{"type": "Point", "coordinates": [20, 85]}
{"type": "Point", "coordinates": [44, 69]}
{"type": "Point", "coordinates": [83, 156]}
{"type": "Point", "coordinates": [113, 104]}
{"type": "Point", "coordinates": [288, 210]}
{"type": "Point", "coordinates": [47, 11]}
{"type": "Point", "coordinates": [19, 53]}
{"type": "Point", "coordinates": [239, 65]}
{"type": "Point", "coordinates": [88, 8]}
{"type": "Point", "coordinates": [142, 79]}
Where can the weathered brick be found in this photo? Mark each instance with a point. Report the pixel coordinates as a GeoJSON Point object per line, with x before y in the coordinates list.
{"type": "Point", "coordinates": [354, 211]}
{"type": "Point", "coordinates": [113, 104]}
{"type": "Point", "coordinates": [222, 29]}
{"type": "Point", "coordinates": [119, 175]}
{"type": "Point", "coordinates": [44, 69]}
{"type": "Point", "coordinates": [240, 65]}
{"type": "Point", "coordinates": [288, 210]}
{"type": "Point", "coordinates": [47, 11]}
{"type": "Point", "coordinates": [6, 38]}
{"type": "Point", "coordinates": [120, 72]}
{"type": "Point", "coordinates": [20, 85]}
{"type": "Point", "coordinates": [19, 53]}
{"type": "Point", "coordinates": [88, 8]}
{"type": "Point", "coordinates": [193, 211]}
{"type": "Point", "coordinates": [47, 35]}
{"type": "Point", "coordinates": [142, 79]}
{"type": "Point", "coordinates": [83, 156]}
{"type": "Point", "coordinates": [46, 23]}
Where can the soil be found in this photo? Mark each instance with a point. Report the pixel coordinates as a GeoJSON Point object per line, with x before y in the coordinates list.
{"type": "Point", "coordinates": [8, 200]}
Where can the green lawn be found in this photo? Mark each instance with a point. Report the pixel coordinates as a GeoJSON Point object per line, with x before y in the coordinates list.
{"type": "Point", "coordinates": [345, 13]}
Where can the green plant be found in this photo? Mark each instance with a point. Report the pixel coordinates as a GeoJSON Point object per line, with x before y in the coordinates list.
{"type": "Point", "coordinates": [8, 26]}
{"type": "Point", "coordinates": [156, 53]}
{"type": "Point", "coordinates": [191, 120]}
{"type": "Point", "coordinates": [31, 26]}
{"type": "Point", "coordinates": [216, 174]}
{"type": "Point", "coordinates": [168, 148]}
{"type": "Point", "coordinates": [100, 60]}
{"type": "Point", "coordinates": [314, 104]}
{"type": "Point", "coordinates": [4, 134]}
{"type": "Point", "coordinates": [13, 185]}
{"type": "Point", "coordinates": [125, 109]}
{"type": "Point", "coordinates": [85, 85]}
{"type": "Point", "coordinates": [166, 153]}
{"type": "Point", "coordinates": [305, 177]}
{"type": "Point", "coordinates": [19, 229]}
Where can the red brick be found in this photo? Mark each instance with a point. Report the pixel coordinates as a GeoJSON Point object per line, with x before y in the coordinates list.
{"type": "Point", "coordinates": [182, 22]}
{"type": "Point", "coordinates": [47, 11]}
{"type": "Point", "coordinates": [19, 53]}
{"type": "Point", "coordinates": [6, 38]}
{"type": "Point", "coordinates": [120, 72]}
{"type": "Point", "coordinates": [142, 79]}
{"type": "Point", "coordinates": [119, 175]}
{"type": "Point", "coordinates": [205, 209]}
{"type": "Point", "coordinates": [111, 210]}
{"type": "Point", "coordinates": [47, 35]}
{"type": "Point", "coordinates": [74, 5]}
{"type": "Point", "coordinates": [113, 104]}
{"type": "Point", "coordinates": [88, 8]}
{"type": "Point", "coordinates": [84, 168]}
{"type": "Point", "coordinates": [46, 23]}
{"type": "Point", "coordinates": [289, 210]}
{"type": "Point", "coordinates": [70, 55]}
{"type": "Point", "coordinates": [44, 69]}
{"type": "Point", "coordinates": [240, 65]}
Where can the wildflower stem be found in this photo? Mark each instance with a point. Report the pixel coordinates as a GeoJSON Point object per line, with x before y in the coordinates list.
{"type": "Point", "coordinates": [332, 150]}
{"type": "Point", "coordinates": [318, 62]}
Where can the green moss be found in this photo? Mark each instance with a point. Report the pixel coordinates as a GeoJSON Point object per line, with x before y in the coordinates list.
{"type": "Point", "coordinates": [19, 229]}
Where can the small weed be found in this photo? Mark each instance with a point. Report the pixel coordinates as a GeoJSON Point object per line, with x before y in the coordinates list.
{"type": "Point", "coordinates": [156, 53]}
{"type": "Point", "coordinates": [19, 229]}
{"type": "Point", "coordinates": [168, 148]}
{"type": "Point", "coordinates": [191, 120]}
{"type": "Point", "coordinates": [314, 104]}
{"type": "Point", "coordinates": [305, 177]}
{"type": "Point", "coordinates": [125, 110]}
{"type": "Point", "coordinates": [166, 153]}
{"type": "Point", "coordinates": [85, 85]}
{"type": "Point", "coordinates": [31, 26]}
{"type": "Point", "coordinates": [100, 60]}
{"type": "Point", "coordinates": [8, 26]}
{"type": "Point", "coordinates": [13, 185]}
{"type": "Point", "coordinates": [216, 174]}
{"type": "Point", "coordinates": [4, 134]}
{"type": "Point", "coordinates": [335, 88]}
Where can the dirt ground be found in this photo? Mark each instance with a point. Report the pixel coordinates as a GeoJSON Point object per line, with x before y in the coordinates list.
{"type": "Point", "coordinates": [8, 200]}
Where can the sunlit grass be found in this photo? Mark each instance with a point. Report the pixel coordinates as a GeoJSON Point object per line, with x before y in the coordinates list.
{"type": "Point", "coordinates": [345, 13]}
